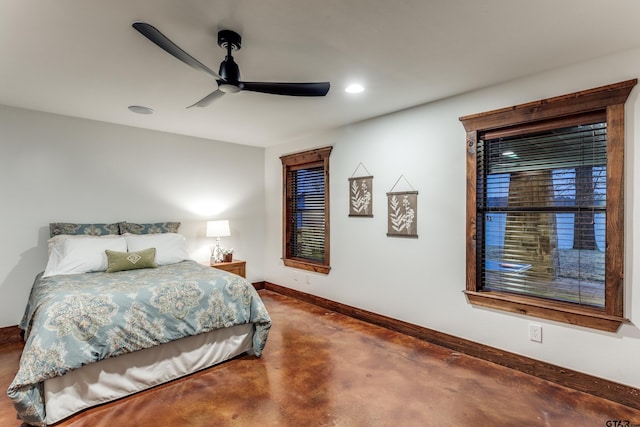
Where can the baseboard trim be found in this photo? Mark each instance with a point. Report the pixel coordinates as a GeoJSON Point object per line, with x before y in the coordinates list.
{"type": "Point", "coordinates": [10, 334]}
{"type": "Point", "coordinates": [586, 383]}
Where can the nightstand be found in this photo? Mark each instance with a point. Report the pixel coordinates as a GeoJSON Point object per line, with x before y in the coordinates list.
{"type": "Point", "coordinates": [236, 266]}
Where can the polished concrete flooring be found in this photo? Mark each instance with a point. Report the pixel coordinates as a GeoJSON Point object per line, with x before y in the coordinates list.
{"type": "Point", "coordinates": [325, 369]}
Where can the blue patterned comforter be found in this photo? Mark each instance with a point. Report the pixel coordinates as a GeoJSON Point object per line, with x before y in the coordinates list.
{"type": "Point", "coordinates": [73, 320]}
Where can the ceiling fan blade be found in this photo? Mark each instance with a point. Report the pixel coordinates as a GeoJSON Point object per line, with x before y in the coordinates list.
{"type": "Point", "coordinates": [291, 89]}
{"type": "Point", "coordinates": [152, 33]}
{"type": "Point", "coordinates": [208, 99]}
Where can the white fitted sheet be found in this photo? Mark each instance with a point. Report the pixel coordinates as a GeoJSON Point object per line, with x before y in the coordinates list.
{"type": "Point", "coordinates": [117, 377]}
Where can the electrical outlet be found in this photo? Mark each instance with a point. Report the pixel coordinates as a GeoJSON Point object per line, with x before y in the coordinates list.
{"type": "Point", "coordinates": [535, 332]}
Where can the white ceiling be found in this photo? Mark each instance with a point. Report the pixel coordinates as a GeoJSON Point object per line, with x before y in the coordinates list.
{"type": "Point", "coordinates": [82, 58]}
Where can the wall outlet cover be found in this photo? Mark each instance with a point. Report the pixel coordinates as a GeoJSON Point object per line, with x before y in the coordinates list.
{"type": "Point", "coordinates": [535, 332]}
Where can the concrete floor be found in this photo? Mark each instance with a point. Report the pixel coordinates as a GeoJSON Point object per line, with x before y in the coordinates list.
{"type": "Point", "coordinates": [325, 369]}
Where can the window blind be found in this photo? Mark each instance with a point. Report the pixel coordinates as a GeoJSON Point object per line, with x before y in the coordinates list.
{"type": "Point", "coordinates": [541, 210]}
{"type": "Point", "coordinates": [307, 213]}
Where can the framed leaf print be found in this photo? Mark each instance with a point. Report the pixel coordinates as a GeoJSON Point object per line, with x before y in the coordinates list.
{"type": "Point", "coordinates": [402, 218]}
{"type": "Point", "coordinates": [361, 196]}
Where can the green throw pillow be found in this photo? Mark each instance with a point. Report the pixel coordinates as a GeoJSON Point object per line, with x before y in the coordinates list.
{"type": "Point", "coordinates": [120, 261]}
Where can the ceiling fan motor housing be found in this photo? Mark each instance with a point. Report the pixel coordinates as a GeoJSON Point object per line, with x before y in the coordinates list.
{"type": "Point", "coordinates": [229, 70]}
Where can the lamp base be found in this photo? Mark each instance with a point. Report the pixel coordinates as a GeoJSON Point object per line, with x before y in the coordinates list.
{"type": "Point", "coordinates": [216, 254]}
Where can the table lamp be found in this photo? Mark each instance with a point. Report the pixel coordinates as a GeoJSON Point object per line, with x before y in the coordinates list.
{"type": "Point", "coordinates": [217, 229]}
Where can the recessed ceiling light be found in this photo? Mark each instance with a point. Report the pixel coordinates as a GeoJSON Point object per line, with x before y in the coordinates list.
{"type": "Point", "coordinates": [354, 88]}
{"type": "Point", "coordinates": [138, 109]}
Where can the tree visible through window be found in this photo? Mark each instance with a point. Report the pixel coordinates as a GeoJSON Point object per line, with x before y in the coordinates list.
{"type": "Point", "coordinates": [306, 210]}
{"type": "Point", "coordinates": [544, 207]}
{"type": "Point", "coordinates": [544, 193]}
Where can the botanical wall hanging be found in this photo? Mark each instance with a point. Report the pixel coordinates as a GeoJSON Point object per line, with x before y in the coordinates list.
{"type": "Point", "coordinates": [361, 194]}
{"type": "Point", "coordinates": [402, 208]}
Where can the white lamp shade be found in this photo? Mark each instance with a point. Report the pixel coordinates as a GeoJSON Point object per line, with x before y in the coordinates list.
{"type": "Point", "coordinates": [218, 228]}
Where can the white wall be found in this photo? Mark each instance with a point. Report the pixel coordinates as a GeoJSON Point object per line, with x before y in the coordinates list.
{"type": "Point", "coordinates": [62, 169]}
{"type": "Point", "coordinates": [421, 280]}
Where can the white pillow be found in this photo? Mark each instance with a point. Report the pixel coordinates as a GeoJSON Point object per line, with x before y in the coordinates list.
{"type": "Point", "coordinates": [170, 247]}
{"type": "Point", "coordinates": [55, 244]}
{"type": "Point", "coordinates": [81, 254]}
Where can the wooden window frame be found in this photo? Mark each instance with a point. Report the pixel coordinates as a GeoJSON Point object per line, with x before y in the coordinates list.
{"type": "Point", "coordinates": [608, 100]}
{"type": "Point", "coordinates": [310, 158]}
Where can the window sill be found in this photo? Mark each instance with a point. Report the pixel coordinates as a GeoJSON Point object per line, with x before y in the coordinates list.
{"type": "Point", "coordinates": [306, 265]}
{"type": "Point", "coordinates": [545, 309]}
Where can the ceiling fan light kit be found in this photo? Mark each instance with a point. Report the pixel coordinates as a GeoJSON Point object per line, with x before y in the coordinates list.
{"type": "Point", "coordinates": [228, 88]}
{"type": "Point", "coordinates": [228, 77]}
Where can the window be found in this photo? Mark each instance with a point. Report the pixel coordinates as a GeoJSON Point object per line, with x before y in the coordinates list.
{"type": "Point", "coordinates": [306, 210]}
{"type": "Point", "coordinates": [545, 207]}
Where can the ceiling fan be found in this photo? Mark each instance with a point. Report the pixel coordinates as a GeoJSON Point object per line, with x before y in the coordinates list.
{"type": "Point", "coordinates": [228, 78]}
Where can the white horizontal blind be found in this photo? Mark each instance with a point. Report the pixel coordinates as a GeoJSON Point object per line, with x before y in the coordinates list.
{"type": "Point", "coordinates": [307, 208]}
{"type": "Point", "coordinates": [542, 212]}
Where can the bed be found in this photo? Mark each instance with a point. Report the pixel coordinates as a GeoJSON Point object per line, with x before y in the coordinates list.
{"type": "Point", "coordinates": [96, 336]}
